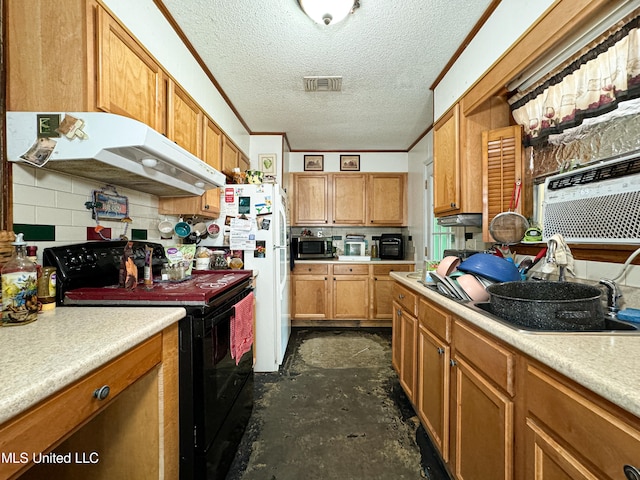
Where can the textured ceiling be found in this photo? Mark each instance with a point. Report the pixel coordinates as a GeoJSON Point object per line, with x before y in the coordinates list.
{"type": "Point", "coordinates": [388, 53]}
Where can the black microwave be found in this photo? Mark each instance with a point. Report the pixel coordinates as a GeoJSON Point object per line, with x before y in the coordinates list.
{"type": "Point", "coordinates": [311, 248]}
{"type": "Point", "coordinates": [391, 246]}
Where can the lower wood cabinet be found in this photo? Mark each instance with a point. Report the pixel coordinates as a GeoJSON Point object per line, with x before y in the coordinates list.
{"type": "Point", "coordinates": [131, 433]}
{"type": "Point", "coordinates": [353, 294]}
{"type": "Point", "coordinates": [493, 413]}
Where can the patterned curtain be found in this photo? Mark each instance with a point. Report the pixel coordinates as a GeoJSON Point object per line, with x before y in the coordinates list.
{"type": "Point", "coordinates": [590, 86]}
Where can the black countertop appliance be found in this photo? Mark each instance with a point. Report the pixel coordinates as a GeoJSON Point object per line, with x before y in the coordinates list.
{"type": "Point", "coordinates": [391, 246]}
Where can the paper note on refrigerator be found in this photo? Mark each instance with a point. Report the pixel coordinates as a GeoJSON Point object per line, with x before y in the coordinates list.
{"type": "Point", "coordinates": [242, 235]}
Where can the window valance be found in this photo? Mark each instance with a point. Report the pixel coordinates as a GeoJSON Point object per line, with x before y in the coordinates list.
{"type": "Point", "coordinates": [589, 86]}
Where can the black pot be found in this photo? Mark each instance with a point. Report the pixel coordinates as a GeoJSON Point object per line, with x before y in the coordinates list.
{"type": "Point", "coordinates": [558, 306]}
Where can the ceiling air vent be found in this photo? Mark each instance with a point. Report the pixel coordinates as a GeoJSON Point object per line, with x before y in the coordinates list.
{"type": "Point", "coordinates": [322, 84]}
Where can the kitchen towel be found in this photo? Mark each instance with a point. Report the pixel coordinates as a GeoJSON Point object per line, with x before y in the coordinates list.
{"type": "Point", "coordinates": [562, 256]}
{"type": "Point", "coordinates": [242, 328]}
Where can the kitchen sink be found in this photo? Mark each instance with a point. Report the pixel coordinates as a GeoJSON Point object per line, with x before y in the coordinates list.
{"type": "Point", "coordinates": [610, 326]}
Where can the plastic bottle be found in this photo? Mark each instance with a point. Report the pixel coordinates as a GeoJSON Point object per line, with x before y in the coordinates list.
{"type": "Point", "coordinates": [19, 287]}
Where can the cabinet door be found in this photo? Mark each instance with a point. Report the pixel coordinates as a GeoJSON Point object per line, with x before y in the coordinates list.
{"type": "Point", "coordinates": [348, 199]}
{"type": "Point", "coordinates": [482, 426]}
{"type": "Point", "coordinates": [387, 199]}
{"type": "Point", "coordinates": [311, 199]}
{"type": "Point", "coordinates": [446, 163]}
{"type": "Point", "coordinates": [404, 348]}
{"type": "Point", "coordinates": [501, 168]}
{"type": "Point", "coordinates": [230, 156]}
{"type": "Point", "coordinates": [212, 155]}
{"type": "Point", "coordinates": [396, 337]}
{"type": "Point", "coordinates": [184, 120]}
{"type": "Point", "coordinates": [310, 295]}
{"type": "Point", "coordinates": [351, 297]}
{"type": "Point", "coordinates": [382, 290]}
{"type": "Point", "coordinates": [433, 388]}
{"type": "Point", "coordinates": [243, 163]}
{"type": "Point", "coordinates": [129, 81]}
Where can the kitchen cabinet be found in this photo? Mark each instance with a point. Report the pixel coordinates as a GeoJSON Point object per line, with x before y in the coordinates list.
{"type": "Point", "coordinates": [381, 289]}
{"type": "Point", "coordinates": [311, 292]}
{"type": "Point", "coordinates": [184, 120]}
{"type": "Point", "coordinates": [457, 156]}
{"type": "Point", "coordinates": [433, 373]}
{"type": "Point", "coordinates": [208, 204]}
{"type": "Point", "coordinates": [121, 429]}
{"type": "Point", "coordinates": [502, 167]}
{"type": "Point", "coordinates": [349, 199]}
{"type": "Point", "coordinates": [230, 156]}
{"type": "Point", "coordinates": [243, 163]}
{"type": "Point", "coordinates": [482, 407]}
{"type": "Point", "coordinates": [387, 199]}
{"type": "Point", "coordinates": [404, 338]}
{"type": "Point", "coordinates": [343, 294]}
{"type": "Point", "coordinates": [310, 201]}
{"type": "Point", "coordinates": [350, 292]}
{"type": "Point", "coordinates": [348, 204]}
{"type": "Point", "coordinates": [572, 434]}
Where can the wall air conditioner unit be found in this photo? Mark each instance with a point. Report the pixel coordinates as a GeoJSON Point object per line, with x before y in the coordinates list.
{"type": "Point", "coordinates": [595, 204]}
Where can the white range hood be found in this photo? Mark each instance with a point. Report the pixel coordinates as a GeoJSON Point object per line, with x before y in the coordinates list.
{"type": "Point", "coordinates": [115, 150]}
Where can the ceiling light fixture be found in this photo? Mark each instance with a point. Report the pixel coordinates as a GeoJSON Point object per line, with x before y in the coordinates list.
{"type": "Point", "coordinates": [328, 12]}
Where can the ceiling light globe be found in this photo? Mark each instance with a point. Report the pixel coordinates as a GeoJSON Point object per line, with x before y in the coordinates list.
{"type": "Point", "coordinates": [327, 12]}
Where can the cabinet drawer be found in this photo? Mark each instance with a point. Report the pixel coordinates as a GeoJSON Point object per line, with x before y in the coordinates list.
{"type": "Point", "coordinates": [351, 269]}
{"type": "Point", "coordinates": [386, 269]}
{"type": "Point", "coordinates": [436, 320]}
{"type": "Point", "coordinates": [487, 355]}
{"type": "Point", "coordinates": [310, 269]}
{"type": "Point", "coordinates": [405, 297]}
{"type": "Point", "coordinates": [44, 425]}
{"type": "Point", "coordinates": [586, 428]}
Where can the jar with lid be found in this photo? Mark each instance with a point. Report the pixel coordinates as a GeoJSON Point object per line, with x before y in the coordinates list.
{"type": "Point", "coordinates": [219, 262]}
{"type": "Point", "coordinates": [47, 288]}
{"type": "Point", "coordinates": [19, 287]}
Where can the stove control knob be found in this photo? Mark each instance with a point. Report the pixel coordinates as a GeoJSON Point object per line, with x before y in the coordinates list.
{"type": "Point", "coordinates": [102, 392]}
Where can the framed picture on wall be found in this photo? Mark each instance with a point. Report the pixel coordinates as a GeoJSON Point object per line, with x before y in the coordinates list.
{"type": "Point", "coordinates": [350, 163]}
{"type": "Point", "coordinates": [313, 163]}
{"type": "Point", "coordinates": [267, 162]}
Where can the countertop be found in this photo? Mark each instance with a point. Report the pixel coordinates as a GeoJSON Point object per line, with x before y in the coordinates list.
{"type": "Point", "coordinates": [608, 365]}
{"type": "Point", "coordinates": [65, 344]}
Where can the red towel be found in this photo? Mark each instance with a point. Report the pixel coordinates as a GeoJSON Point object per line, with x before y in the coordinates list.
{"type": "Point", "coordinates": [242, 328]}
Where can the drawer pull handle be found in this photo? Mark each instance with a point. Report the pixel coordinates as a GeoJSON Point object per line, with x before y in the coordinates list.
{"type": "Point", "coordinates": [399, 312]}
{"type": "Point", "coordinates": [401, 296]}
{"type": "Point", "coordinates": [102, 393]}
{"type": "Point", "coordinates": [440, 351]}
{"type": "Point", "coordinates": [631, 472]}
{"type": "Point", "coordinates": [452, 362]}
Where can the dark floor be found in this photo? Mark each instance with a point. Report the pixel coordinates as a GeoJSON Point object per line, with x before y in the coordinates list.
{"type": "Point", "coordinates": [335, 410]}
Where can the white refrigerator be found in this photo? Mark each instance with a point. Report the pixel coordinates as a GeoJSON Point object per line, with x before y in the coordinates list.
{"type": "Point", "coordinates": [266, 252]}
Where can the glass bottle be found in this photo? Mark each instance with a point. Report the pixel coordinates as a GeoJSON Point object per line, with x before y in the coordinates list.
{"type": "Point", "coordinates": [19, 287]}
{"type": "Point", "coordinates": [374, 248]}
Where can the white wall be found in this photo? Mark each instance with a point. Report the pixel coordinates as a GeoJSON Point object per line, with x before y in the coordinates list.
{"type": "Point", "coordinates": [507, 23]}
{"type": "Point", "coordinates": [267, 144]}
{"type": "Point", "coordinates": [419, 157]}
{"type": "Point", "coordinates": [149, 26]}
{"type": "Point", "coordinates": [369, 162]}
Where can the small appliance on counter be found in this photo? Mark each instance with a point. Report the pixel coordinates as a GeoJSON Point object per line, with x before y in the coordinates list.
{"type": "Point", "coordinates": [391, 246]}
{"type": "Point", "coordinates": [311, 248]}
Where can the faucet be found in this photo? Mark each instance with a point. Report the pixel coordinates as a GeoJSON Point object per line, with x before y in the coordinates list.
{"type": "Point", "coordinates": [551, 258]}
{"type": "Point", "coordinates": [613, 294]}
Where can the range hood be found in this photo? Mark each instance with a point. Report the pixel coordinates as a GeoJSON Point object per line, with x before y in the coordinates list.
{"type": "Point", "coordinates": [461, 220]}
{"type": "Point", "coordinates": [111, 149]}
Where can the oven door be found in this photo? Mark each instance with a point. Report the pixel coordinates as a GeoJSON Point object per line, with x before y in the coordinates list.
{"type": "Point", "coordinates": [216, 395]}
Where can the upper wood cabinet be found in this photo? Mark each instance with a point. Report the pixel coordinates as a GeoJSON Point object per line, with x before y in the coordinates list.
{"type": "Point", "coordinates": [387, 199]}
{"type": "Point", "coordinates": [349, 199]}
{"type": "Point", "coordinates": [184, 120]}
{"type": "Point", "coordinates": [502, 167]}
{"type": "Point", "coordinates": [446, 163]}
{"type": "Point", "coordinates": [129, 81]}
{"type": "Point", "coordinates": [230, 156]}
{"type": "Point", "coordinates": [457, 156]}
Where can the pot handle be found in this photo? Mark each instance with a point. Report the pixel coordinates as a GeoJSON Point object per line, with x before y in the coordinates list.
{"type": "Point", "coordinates": [573, 314]}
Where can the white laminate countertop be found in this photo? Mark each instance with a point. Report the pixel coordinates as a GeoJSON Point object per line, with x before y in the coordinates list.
{"type": "Point", "coordinates": [66, 343]}
{"type": "Point", "coordinates": [608, 365]}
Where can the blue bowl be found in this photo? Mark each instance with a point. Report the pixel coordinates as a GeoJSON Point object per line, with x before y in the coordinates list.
{"type": "Point", "coordinates": [490, 266]}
